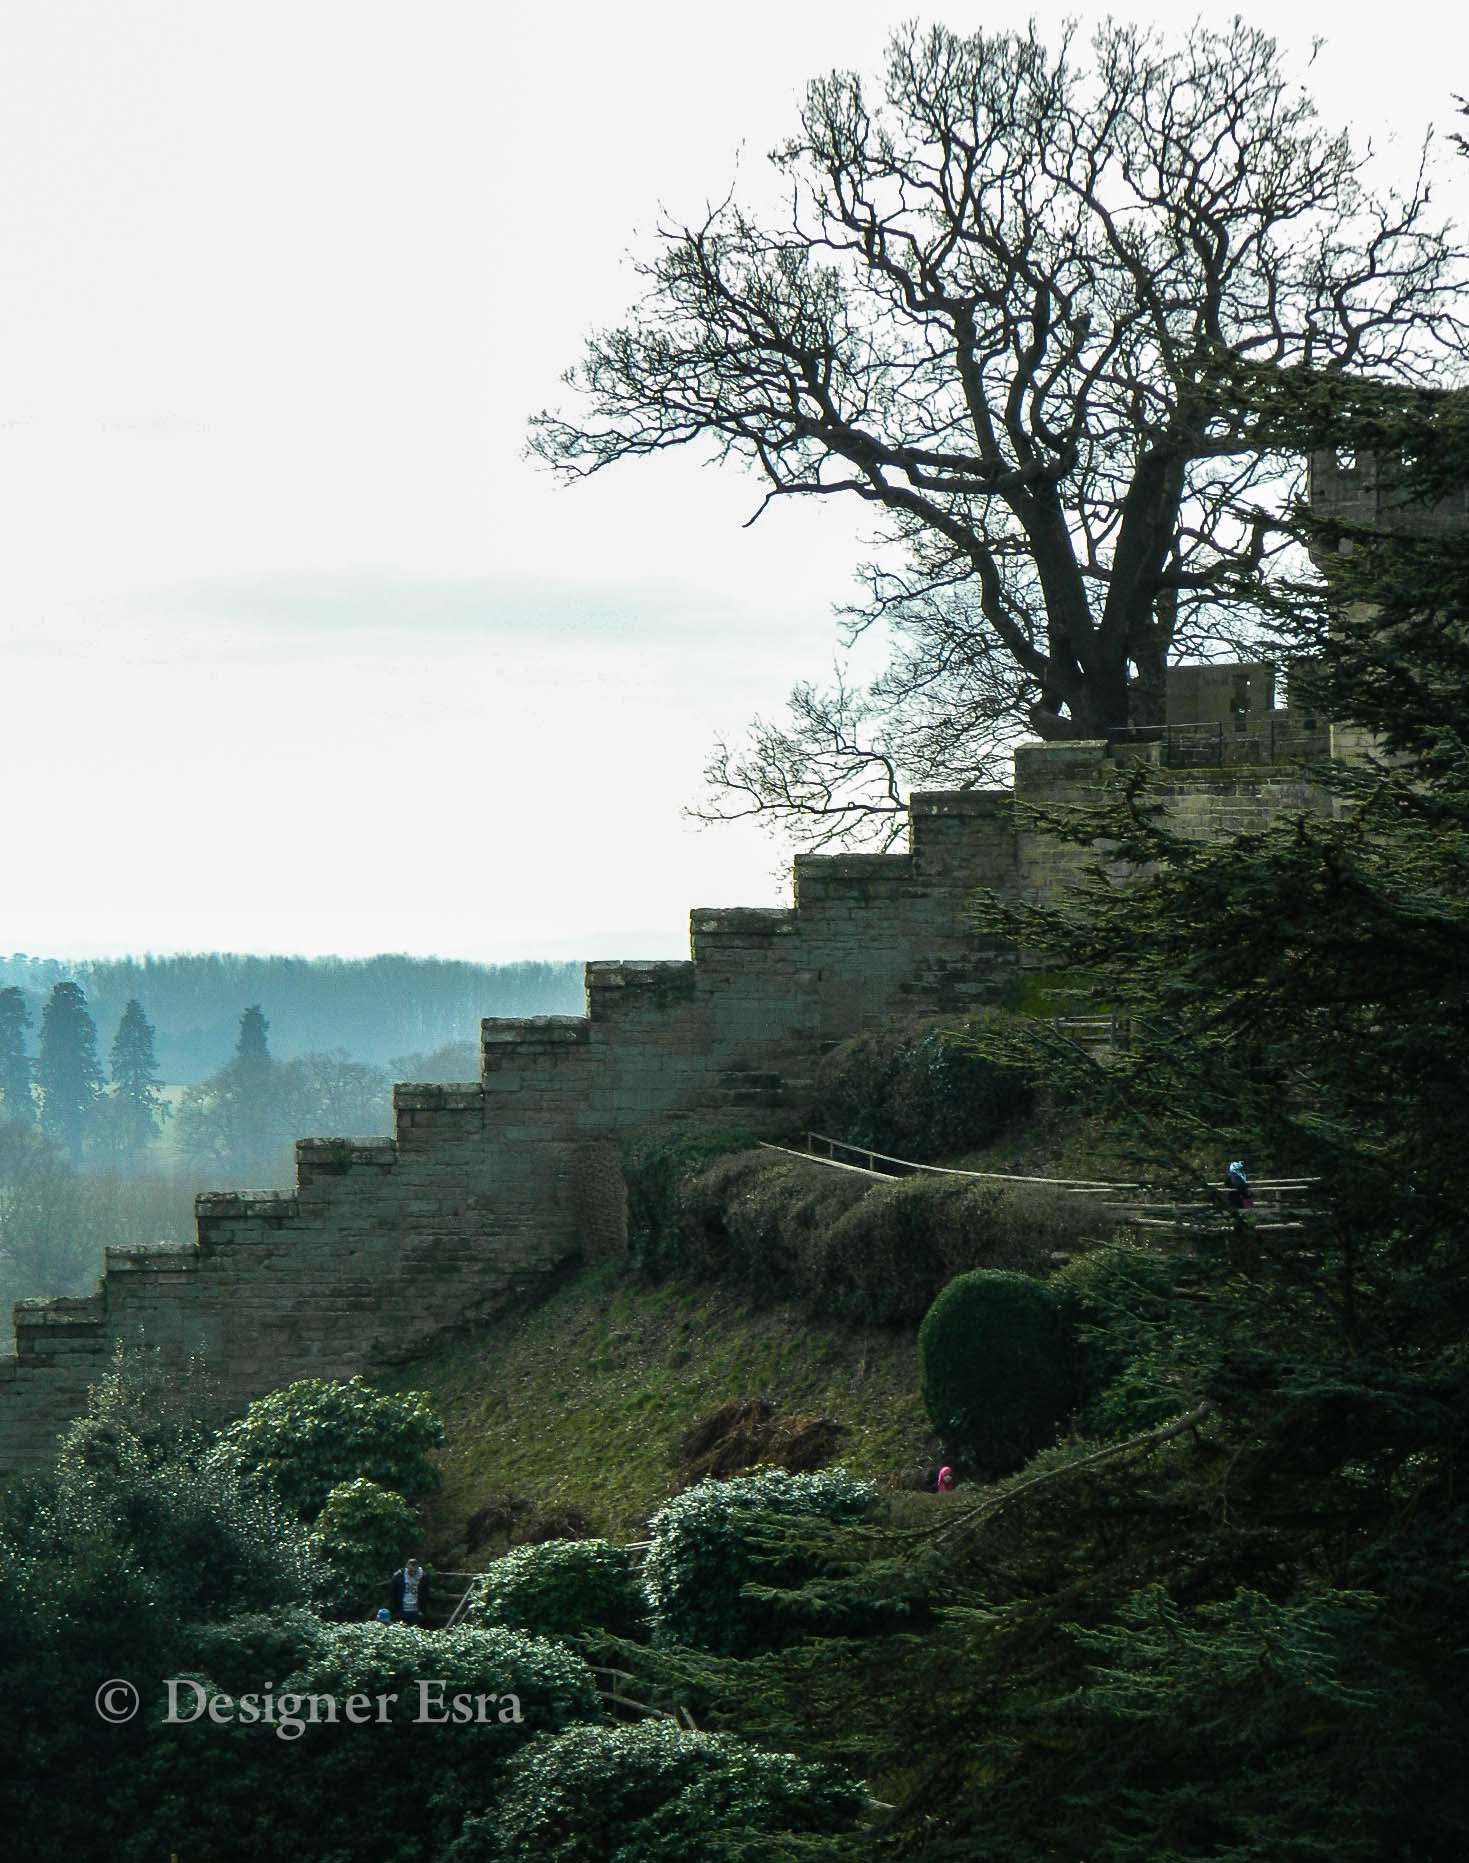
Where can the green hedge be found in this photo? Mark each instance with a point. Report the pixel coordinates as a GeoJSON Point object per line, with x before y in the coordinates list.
{"type": "Point", "coordinates": [394, 1789]}
{"type": "Point", "coordinates": [873, 1251]}
{"type": "Point", "coordinates": [562, 1588]}
{"type": "Point", "coordinates": [921, 1092]}
{"type": "Point", "coordinates": [994, 1359]}
{"type": "Point", "coordinates": [713, 1539]}
{"type": "Point", "coordinates": [657, 1793]}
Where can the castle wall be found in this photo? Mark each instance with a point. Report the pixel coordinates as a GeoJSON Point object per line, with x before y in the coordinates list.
{"type": "Point", "coordinates": [486, 1189]}
{"type": "Point", "coordinates": [384, 1245]}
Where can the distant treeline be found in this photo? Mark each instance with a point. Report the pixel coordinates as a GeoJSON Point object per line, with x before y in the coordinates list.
{"type": "Point", "coordinates": [376, 1008]}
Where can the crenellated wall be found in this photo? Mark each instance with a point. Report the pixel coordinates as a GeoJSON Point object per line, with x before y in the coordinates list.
{"type": "Point", "coordinates": [487, 1189]}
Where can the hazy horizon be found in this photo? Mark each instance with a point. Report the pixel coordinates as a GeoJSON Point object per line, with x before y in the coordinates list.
{"type": "Point", "coordinates": [303, 656]}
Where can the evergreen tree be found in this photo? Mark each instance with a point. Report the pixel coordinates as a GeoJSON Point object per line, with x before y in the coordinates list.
{"type": "Point", "coordinates": [67, 1069]}
{"type": "Point", "coordinates": [240, 1116]}
{"type": "Point", "coordinates": [15, 1063]}
{"type": "Point", "coordinates": [138, 1108]}
{"type": "Point", "coordinates": [1225, 1621]}
{"type": "Point", "coordinates": [252, 1050]}
{"type": "Point", "coordinates": [254, 1089]}
{"type": "Point", "coordinates": [1246, 1643]}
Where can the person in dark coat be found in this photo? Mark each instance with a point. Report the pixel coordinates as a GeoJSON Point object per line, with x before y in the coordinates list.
{"type": "Point", "coordinates": [408, 1597]}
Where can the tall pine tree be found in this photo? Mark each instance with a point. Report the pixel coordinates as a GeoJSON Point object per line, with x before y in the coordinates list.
{"type": "Point", "coordinates": [138, 1108]}
{"type": "Point", "coordinates": [236, 1118]}
{"type": "Point", "coordinates": [254, 1088]}
{"type": "Point", "coordinates": [15, 1064]}
{"type": "Point", "coordinates": [67, 1069]}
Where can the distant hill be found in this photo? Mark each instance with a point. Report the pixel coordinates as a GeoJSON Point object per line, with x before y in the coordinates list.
{"type": "Point", "coordinates": [376, 1007]}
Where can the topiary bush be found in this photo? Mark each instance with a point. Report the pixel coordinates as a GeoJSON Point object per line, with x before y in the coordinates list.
{"type": "Point", "coordinates": [307, 1437]}
{"type": "Point", "coordinates": [921, 1092]}
{"type": "Point", "coordinates": [994, 1359]}
{"type": "Point", "coordinates": [237, 1652]}
{"type": "Point", "coordinates": [562, 1588]}
{"type": "Point", "coordinates": [658, 1793]}
{"type": "Point", "coordinates": [713, 1539]}
{"type": "Point", "coordinates": [360, 1535]}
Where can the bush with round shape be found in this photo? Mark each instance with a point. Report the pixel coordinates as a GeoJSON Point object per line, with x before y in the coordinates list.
{"type": "Point", "coordinates": [713, 1539]}
{"type": "Point", "coordinates": [995, 1365]}
{"type": "Point", "coordinates": [659, 1793]}
{"type": "Point", "coordinates": [360, 1535]}
{"type": "Point", "coordinates": [307, 1437]}
{"type": "Point", "coordinates": [562, 1588]}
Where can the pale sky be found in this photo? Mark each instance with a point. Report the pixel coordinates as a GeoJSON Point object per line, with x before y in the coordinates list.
{"type": "Point", "coordinates": [298, 652]}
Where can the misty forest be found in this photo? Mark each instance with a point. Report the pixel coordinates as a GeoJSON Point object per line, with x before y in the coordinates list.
{"type": "Point", "coordinates": [128, 1086]}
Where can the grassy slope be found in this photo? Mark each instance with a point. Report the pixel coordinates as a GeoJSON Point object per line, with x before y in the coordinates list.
{"type": "Point", "coordinates": [583, 1399]}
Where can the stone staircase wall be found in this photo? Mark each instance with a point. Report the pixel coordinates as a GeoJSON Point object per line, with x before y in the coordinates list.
{"type": "Point", "coordinates": [487, 1189]}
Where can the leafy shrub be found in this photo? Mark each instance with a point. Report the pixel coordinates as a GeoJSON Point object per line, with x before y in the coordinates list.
{"type": "Point", "coordinates": [360, 1534]}
{"type": "Point", "coordinates": [994, 1360]}
{"type": "Point", "coordinates": [392, 1787]}
{"type": "Point", "coordinates": [919, 1092]}
{"type": "Point", "coordinates": [237, 1653]}
{"type": "Point", "coordinates": [209, 1540]}
{"type": "Point", "coordinates": [887, 1256]}
{"type": "Point", "coordinates": [713, 1539]}
{"type": "Point", "coordinates": [561, 1588]}
{"type": "Point", "coordinates": [553, 1687]}
{"type": "Point", "coordinates": [873, 1251]}
{"type": "Point", "coordinates": [657, 1793]}
{"type": "Point", "coordinates": [311, 1435]}
{"type": "Point", "coordinates": [108, 1563]}
{"type": "Point", "coordinates": [654, 1167]}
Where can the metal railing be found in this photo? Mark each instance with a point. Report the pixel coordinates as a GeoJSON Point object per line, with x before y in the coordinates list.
{"type": "Point", "coordinates": [1141, 1206]}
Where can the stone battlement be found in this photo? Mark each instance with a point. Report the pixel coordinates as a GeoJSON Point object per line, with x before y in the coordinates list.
{"type": "Point", "coordinates": [486, 1189]}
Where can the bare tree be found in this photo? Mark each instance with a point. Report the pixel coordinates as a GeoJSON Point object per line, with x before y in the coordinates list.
{"type": "Point", "coordinates": [999, 311]}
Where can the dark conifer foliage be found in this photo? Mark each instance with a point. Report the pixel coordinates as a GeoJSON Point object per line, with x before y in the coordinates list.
{"type": "Point", "coordinates": [1221, 1621]}
{"type": "Point", "coordinates": [15, 1063]}
{"type": "Point", "coordinates": [67, 1069]}
{"type": "Point", "coordinates": [252, 1050]}
{"type": "Point", "coordinates": [138, 1108]}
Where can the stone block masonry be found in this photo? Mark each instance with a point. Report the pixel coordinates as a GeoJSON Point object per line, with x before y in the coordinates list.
{"type": "Point", "coordinates": [486, 1190]}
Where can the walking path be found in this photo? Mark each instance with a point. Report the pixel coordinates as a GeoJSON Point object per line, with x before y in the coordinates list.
{"type": "Point", "coordinates": [1128, 1202]}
